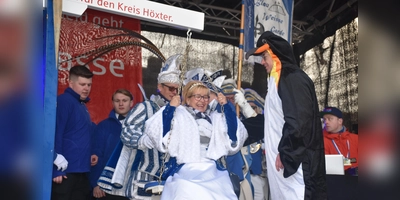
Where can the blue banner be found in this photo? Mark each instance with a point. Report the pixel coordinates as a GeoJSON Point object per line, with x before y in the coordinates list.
{"type": "Point", "coordinates": [267, 15]}
{"type": "Point", "coordinates": [249, 25]}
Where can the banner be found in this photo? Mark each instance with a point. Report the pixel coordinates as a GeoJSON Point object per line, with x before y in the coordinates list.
{"type": "Point", "coordinates": [267, 15]}
{"type": "Point", "coordinates": [151, 11]}
{"type": "Point", "coordinates": [119, 68]}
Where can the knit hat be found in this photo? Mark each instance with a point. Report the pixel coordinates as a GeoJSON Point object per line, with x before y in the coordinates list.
{"type": "Point", "coordinates": [253, 97]}
{"type": "Point", "coordinates": [228, 85]}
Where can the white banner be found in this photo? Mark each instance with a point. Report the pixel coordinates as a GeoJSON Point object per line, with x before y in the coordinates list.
{"type": "Point", "coordinates": [274, 16]}
{"type": "Point", "coordinates": [140, 9]}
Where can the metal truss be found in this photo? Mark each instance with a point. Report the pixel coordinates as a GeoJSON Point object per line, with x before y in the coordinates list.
{"type": "Point", "coordinates": [223, 21]}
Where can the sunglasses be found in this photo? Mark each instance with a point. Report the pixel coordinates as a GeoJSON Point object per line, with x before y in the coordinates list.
{"type": "Point", "coordinates": [170, 88]}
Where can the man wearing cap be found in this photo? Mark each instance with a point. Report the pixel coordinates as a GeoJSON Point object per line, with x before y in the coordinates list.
{"type": "Point", "coordinates": [134, 161]}
{"type": "Point", "coordinates": [293, 133]}
{"type": "Point", "coordinates": [337, 139]}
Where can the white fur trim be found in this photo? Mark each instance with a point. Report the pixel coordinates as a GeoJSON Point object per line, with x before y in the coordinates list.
{"type": "Point", "coordinates": [184, 143]}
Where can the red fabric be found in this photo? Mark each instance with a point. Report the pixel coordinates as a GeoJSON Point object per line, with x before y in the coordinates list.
{"type": "Point", "coordinates": [120, 68]}
{"type": "Point", "coordinates": [341, 142]}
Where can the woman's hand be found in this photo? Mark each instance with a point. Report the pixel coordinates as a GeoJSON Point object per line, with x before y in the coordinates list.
{"type": "Point", "coordinates": [175, 101]}
{"type": "Point", "coordinates": [221, 99]}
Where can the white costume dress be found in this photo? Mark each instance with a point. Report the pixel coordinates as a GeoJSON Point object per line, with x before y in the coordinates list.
{"type": "Point", "coordinates": [197, 144]}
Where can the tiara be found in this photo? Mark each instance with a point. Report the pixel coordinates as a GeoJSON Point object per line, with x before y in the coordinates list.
{"type": "Point", "coordinates": [196, 84]}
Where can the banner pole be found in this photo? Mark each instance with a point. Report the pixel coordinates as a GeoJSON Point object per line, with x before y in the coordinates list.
{"type": "Point", "coordinates": [57, 11]}
{"type": "Point", "coordinates": [49, 99]}
{"type": "Point", "coordinates": [240, 62]}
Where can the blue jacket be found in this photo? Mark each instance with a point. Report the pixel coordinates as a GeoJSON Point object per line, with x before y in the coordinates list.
{"type": "Point", "coordinates": [105, 138]}
{"type": "Point", "coordinates": [73, 131]}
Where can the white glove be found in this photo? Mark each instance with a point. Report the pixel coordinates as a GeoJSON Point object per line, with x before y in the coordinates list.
{"type": "Point", "coordinates": [245, 107]}
{"type": "Point", "coordinates": [145, 141]}
{"type": "Point", "coordinates": [61, 162]}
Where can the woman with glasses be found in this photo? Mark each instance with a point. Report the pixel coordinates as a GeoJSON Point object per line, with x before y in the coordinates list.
{"type": "Point", "coordinates": [197, 139]}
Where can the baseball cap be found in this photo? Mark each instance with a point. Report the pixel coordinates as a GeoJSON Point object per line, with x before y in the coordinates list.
{"type": "Point", "coordinates": [331, 110]}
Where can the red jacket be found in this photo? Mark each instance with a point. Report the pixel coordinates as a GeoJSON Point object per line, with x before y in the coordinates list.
{"type": "Point", "coordinates": [341, 141]}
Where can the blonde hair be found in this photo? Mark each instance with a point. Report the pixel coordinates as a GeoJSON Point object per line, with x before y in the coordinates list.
{"type": "Point", "coordinates": [190, 87]}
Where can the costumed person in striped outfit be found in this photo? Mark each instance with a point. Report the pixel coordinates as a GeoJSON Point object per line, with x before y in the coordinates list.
{"type": "Point", "coordinates": [197, 140]}
{"type": "Point", "coordinates": [293, 133]}
{"type": "Point", "coordinates": [105, 138]}
{"type": "Point", "coordinates": [129, 168]}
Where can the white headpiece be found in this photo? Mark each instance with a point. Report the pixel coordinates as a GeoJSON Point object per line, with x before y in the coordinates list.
{"type": "Point", "coordinates": [170, 71]}
{"type": "Point", "coordinates": [219, 80]}
{"type": "Point", "coordinates": [212, 80]}
{"type": "Point", "coordinates": [196, 74]}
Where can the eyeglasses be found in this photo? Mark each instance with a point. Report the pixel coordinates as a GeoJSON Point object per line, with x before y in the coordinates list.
{"type": "Point", "coordinates": [198, 97]}
{"type": "Point", "coordinates": [170, 88]}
